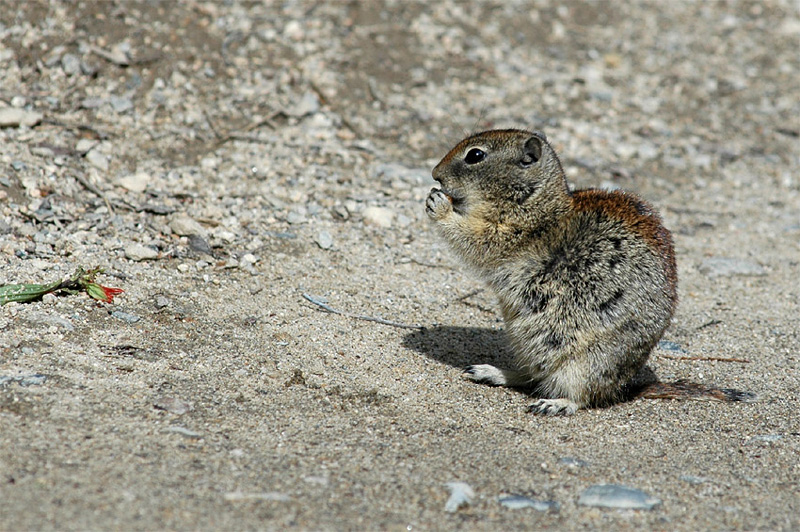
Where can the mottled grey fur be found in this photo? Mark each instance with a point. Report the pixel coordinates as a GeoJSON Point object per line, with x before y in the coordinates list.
{"type": "Point", "coordinates": [586, 280]}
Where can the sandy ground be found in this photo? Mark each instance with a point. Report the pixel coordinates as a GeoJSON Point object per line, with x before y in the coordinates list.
{"type": "Point", "coordinates": [220, 160]}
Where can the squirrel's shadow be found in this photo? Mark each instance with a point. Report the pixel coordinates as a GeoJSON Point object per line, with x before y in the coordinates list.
{"type": "Point", "coordinates": [461, 346]}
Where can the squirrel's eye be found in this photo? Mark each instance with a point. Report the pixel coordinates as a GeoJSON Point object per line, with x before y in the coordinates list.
{"type": "Point", "coordinates": [474, 156]}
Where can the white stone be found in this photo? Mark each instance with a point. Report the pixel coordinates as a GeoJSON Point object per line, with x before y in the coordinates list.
{"type": "Point", "coordinates": [403, 220]}
{"type": "Point", "coordinates": [293, 30]}
{"type": "Point", "coordinates": [378, 216]}
{"type": "Point", "coordinates": [98, 160]}
{"type": "Point", "coordinates": [186, 226]}
{"type": "Point", "coordinates": [84, 145]}
{"type": "Point", "coordinates": [13, 117]}
{"type": "Point", "coordinates": [138, 252]}
{"type": "Point", "coordinates": [324, 240]}
{"type": "Point", "coordinates": [308, 104]}
{"type": "Point", "coordinates": [135, 182]}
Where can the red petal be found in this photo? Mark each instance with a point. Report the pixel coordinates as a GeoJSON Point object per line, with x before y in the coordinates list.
{"type": "Point", "coordinates": [111, 292]}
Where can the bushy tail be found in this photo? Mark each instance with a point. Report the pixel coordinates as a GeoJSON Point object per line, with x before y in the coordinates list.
{"type": "Point", "coordinates": [692, 391]}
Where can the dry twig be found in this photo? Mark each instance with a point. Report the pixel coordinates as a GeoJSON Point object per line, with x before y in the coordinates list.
{"type": "Point", "coordinates": [91, 188]}
{"type": "Point", "coordinates": [241, 133]}
{"type": "Point", "coordinates": [328, 308]}
{"type": "Point", "coordinates": [709, 359]}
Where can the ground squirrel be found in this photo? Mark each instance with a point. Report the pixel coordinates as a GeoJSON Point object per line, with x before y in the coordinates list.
{"type": "Point", "coordinates": [586, 280]}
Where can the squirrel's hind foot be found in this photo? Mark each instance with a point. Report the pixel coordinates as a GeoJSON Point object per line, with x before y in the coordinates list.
{"type": "Point", "coordinates": [554, 407]}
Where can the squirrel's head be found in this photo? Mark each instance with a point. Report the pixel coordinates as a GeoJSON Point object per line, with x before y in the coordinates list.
{"type": "Point", "coordinates": [510, 167]}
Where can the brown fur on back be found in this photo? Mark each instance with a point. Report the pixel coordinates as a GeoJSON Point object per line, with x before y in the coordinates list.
{"type": "Point", "coordinates": [639, 217]}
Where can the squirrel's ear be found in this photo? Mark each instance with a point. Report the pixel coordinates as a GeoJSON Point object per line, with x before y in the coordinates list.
{"type": "Point", "coordinates": [532, 151]}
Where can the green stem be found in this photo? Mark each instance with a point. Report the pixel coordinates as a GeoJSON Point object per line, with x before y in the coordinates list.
{"type": "Point", "coordinates": [22, 293]}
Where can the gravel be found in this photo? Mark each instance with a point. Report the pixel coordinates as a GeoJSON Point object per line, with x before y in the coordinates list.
{"type": "Point", "coordinates": [221, 159]}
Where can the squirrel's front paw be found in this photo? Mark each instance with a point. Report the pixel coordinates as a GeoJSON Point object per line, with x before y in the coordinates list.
{"type": "Point", "coordinates": [438, 205]}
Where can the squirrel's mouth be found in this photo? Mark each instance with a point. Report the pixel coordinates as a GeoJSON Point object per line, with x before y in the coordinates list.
{"type": "Point", "coordinates": [458, 200]}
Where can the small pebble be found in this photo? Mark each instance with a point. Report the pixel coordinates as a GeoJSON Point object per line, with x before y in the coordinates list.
{"type": "Point", "coordinates": [625, 151]}
{"type": "Point", "coordinates": [647, 151]}
{"type": "Point", "coordinates": [308, 104]}
{"type": "Point", "coordinates": [32, 380]}
{"type": "Point", "coordinates": [26, 230]}
{"type": "Point", "coordinates": [138, 252]}
{"type": "Point", "coordinates": [324, 240]}
{"type": "Point", "coordinates": [36, 379]}
{"type": "Point", "coordinates": [92, 103]}
{"type": "Point", "coordinates": [209, 163]}
{"type": "Point", "coordinates": [572, 462]}
{"type": "Point", "coordinates": [185, 226]}
{"type": "Point", "coordinates": [97, 159]}
{"type": "Point", "coordinates": [88, 69]}
{"type": "Point", "coordinates": [403, 220]}
{"type": "Point", "coordinates": [692, 479]}
{"type": "Point", "coordinates": [173, 405]}
{"type": "Point", "coordinates": [517, 502]}
{"type": "Point", "coordinates": [248, 259]}
{"type": "Point", "coordinates": [121, 104]}
{"type": "Point", "coordinates": [295, 218]}
{"type": "Point", "coordinates": [461, 494]}
{"type": "Point", "coordinates": [281, 234]}
{"type": "Point", "coordinates": [70, 64]}
{"type": "Point", "coordinates": [378, 217]}
{"type": "Point", "coordinates": [126, 317]}
{"type": "Point", "coordinates": [294, 30]}
{"type": "Point", "coordinates": [84, 145]}
{"type": "Point", "coordinates": [14, 117]}
{"type": "Point", "coordinates": [620, 497]}
{"type": "Point", "coordinates": [162, 302]}
{"type": "Point", "coordinates": [764, 438]}
{"type": "Point", "coordinates": [135, 182]}
{"type": "Point", "coordinates": [118, 53]}
{"type": "Point", "coordinates": [199, 244]}
{"type": "Point", "coordinates": [666, 345]}
{"type": "Point", "coordinates": [183, 431]}
{"type": "Point", "coordinates": [42, 151]}
{"type": "Point", "coordinates": [52, 320]}
{"type": "Point", "coordinates": [727, 267]}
